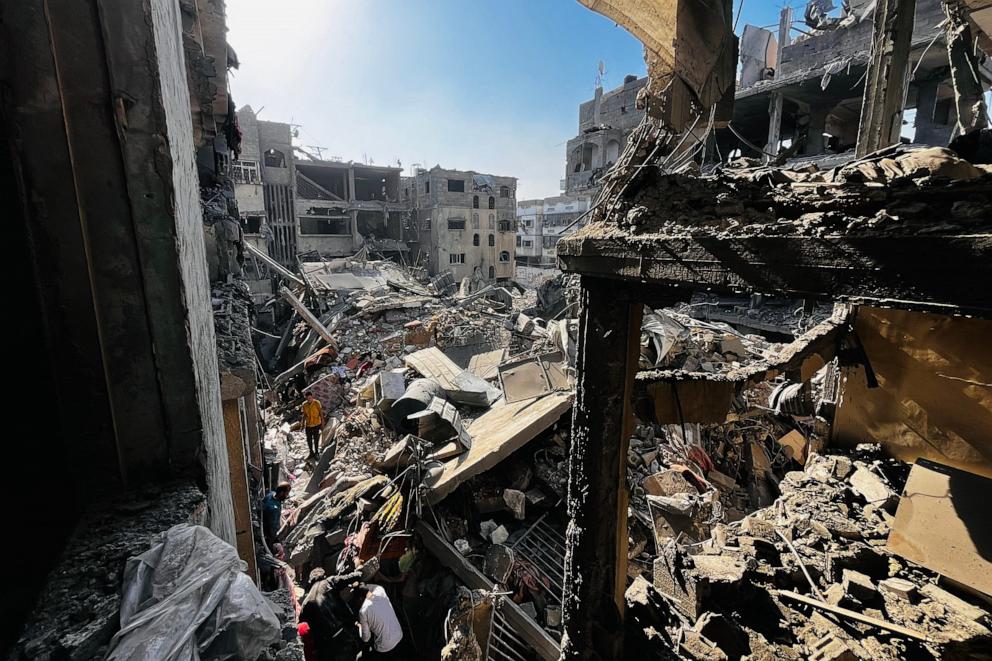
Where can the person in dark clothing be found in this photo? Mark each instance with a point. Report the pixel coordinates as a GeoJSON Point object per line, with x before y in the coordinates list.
{"type": "Point", "coordinates": [272, 513]}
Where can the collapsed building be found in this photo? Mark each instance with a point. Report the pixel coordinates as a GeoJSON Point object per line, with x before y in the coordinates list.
{"type": "Point", "coordinates": [747, 422]}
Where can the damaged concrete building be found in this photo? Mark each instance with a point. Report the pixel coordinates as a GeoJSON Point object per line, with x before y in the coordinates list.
{"type": "Point", "coordinates": [541, 222]}
{"type": "Point", "coordinates": [749, 420]}
{"type": "Point", "coordinates": [466, 222]}
{"type": "Point", "coordinates": [342, 206]}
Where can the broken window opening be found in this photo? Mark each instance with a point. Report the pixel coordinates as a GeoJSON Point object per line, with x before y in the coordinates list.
{"type": "Point", "coordinates": [475, 201]}
{"type": "Point", "coordinates": [339, 225]}
{"type": "Point", "coordinates": [275, 159]}
{"type": "Point", "coordinates": [427, 188]}
{"type": "Point", "coordinates": [505, 226]}
{"type": "Point", "coordinates": [456, 223]}
{"type": "Point", "coordinates": [456, 185]}
{"type": "Point", "coordinates": [504, 256]}
{"type": "Point", "coordinates": [475, 239]}
{"type": "Point", "coordinates": [492, 239]}
{"type": "Point", "coordinates": [456, 258]}
{"type": "Point", "coordinates": [252, 224]}
{"type": "Point", "coordinates": [492, 202]}
{"type": "Point", "coordinates": [492, 272]}
{"type": "Point", "coordinates": [504, 191]}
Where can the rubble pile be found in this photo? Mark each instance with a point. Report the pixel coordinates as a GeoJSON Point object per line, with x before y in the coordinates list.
{"type": "Point", "coordinates": [808, 577]}
{"type": "Point", "coordinates": [443, 470]}
{"type": "Point", "coordinates": [877, 195]}
{"type": "Point", "coordinates": [233, 310]}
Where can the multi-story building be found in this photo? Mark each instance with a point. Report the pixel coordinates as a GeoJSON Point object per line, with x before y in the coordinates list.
{"type": "Point", "coordinates": [342, 206]}
{"type": "Point", "coordinates": [541, 222]}
{"type": "Point", "coordinates": [605, 121]}
{"type": "Point", "coordinates": [465, 222]}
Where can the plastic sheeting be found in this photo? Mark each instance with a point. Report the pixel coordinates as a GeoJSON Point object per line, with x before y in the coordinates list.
{"type": "Point", "coordinates": [187, 598]}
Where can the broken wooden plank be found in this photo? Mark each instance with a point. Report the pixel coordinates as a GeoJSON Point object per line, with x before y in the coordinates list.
{"type": "Point", "coordinates": [307, 316]}
{"type": "Point", "coordinates": [942, 523]}
{"type": "Point", "coordinates": [274, 265]}
{"type": "Point", "coordinates": [523, 624]}
{"type": "Point", "coordinates": [866, 619]}
{"type": "Point", "coordinates": [497, 434]}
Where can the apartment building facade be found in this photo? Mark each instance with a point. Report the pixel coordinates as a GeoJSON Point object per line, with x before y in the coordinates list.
{"type": "Point", "coordinates": [542, 222]}
{"type": "Point", "coordinates": [465, 222]}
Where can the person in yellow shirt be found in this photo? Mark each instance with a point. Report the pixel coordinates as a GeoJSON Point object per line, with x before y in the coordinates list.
{"type": "Point", "coordinates": [313, 422]}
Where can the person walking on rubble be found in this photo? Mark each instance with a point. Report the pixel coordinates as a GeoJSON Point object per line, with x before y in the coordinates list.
{"type": "Point", "coordinates": [272, 513]}
{"type": "Point", "coordinates": [313, 422]}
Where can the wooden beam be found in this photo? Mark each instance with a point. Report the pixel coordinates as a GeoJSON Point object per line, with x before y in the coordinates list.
{"type": "Point", "coordinates": [873, 621]}
{"type": "Point", "coordinates": [238, 471]}
{"type": "Point", "coordinates": [602, 421]}
{"type": "Point", "coordinates": [886, 79]}
{"type": "Point", "coordinates": [307, 316]}
{"type": "Point", "coordinates": [274, 265]}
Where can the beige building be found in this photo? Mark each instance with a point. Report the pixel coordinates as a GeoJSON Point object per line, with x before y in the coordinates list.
{"type": "Point", "coordinates": [466, 222]}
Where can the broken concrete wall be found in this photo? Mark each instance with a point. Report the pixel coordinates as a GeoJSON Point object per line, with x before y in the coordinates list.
{"type": "Point", "coordinates": [816, 52]}
{"type": "Point", "coordinates": [934, 399]}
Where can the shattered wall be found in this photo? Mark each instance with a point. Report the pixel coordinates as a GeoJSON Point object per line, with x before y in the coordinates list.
{"type": "Point", "coordinates": [935, 394]}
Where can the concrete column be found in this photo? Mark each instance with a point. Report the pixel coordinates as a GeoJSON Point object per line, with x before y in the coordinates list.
{"type": "Point", "coordinates": [928, 131]}
{"type": "Point", "coordinates": [602, 421]}
{"type": "Point", "coordinates": [817, 125]}
{"type": "Point", "coordinates": [776, 101]}
{"type": "Point", "coordinates": [886, 79]}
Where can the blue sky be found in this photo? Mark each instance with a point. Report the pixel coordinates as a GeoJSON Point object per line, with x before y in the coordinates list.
{"type": "Point", "coordinates": [487, 86]}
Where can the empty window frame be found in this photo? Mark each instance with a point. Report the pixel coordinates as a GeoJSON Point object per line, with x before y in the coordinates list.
{"type": "Point", "coordinates": [252, 224]}
{"type": "Point", "coordinates": [427, 188]}
{"type": "Point", "coordinates": [504, 256]}
{"type": "Point", "coordinates": [475, 201]}
{"type": "Point", "coordinates": [275, 159]}
{"type": "Point", "coordinates": [456, 185]}
{"type": "Point", "coordinates": [456, 223]}
{"type": "Point", "coordinates": [492, 272]}
{"type": "Point", "coordinates": [505, 225]}
{"type": "Point", "coordinates": [475, 239]}
{"type": "Point", "coordinates": [456, 258]}
{"type": "Point", "coordinates": [492, 202]}
{"type": "Point", "coordinates": [504, 191]}
{"type": "Point", "coordinates": [492, 239]}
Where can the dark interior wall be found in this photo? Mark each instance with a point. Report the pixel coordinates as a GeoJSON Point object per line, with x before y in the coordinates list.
{"type": "Point", "coordinates": [120, 388]}
{"type": "Point", "coordinates": [41, 476]}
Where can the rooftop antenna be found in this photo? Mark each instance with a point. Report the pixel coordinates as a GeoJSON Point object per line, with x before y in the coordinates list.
{"type": "Point", "coordinates": [319, 150]}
